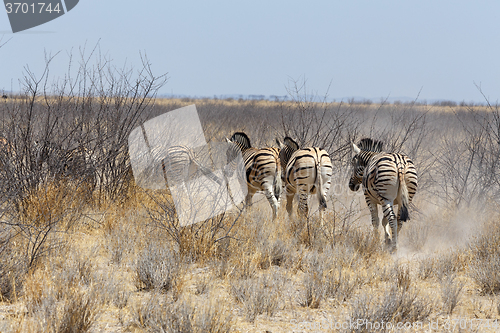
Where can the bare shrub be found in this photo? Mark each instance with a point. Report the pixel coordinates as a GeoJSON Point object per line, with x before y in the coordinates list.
{"type": "Point", "coordinates": [398, 305]}
{"type": "Point", "coordinates": [426, 268]}
{"type": "Point", "coordinates": [120, 242]}
{"type": "Point", "coordinates": [63, 144]}
{"type": "Point", "coordinates": [158, 315]}
{"type": "Point", "coordinates": [442, 264]}
{"type": "Point", "coordinates": [245, 266]}
{"type": "Point", "coordinates": [366, 243]}
{"type": "Point", "coordinates": [403, 276]}
{"type": "Point", "coordinates": [341, 284]}
{"type": "Point", "coordinates": [80, 312]}
{"type": "Point", "coordinates": [157, 267]}
{"type": "Point", "coordinates": [213, 317]}
{"type": "Point", "coordinates": [313, 122]}
{"type": "Point", "coordinates": [329, 274]}
{"type": "Point", "coordinates": [450, 293]}
{"type": "Point", "coordinates": [258, 295]}
{"type": "Point", "coordinates": [200, 241]}
{"type": "Point", "coordinates": [273, 252]}
{"type": "Point", "coordinates": [313, 291]}
{"type": "Point", "coordinates": [56, 305]}
{"type": "Point", "coordinates": [13, 266]}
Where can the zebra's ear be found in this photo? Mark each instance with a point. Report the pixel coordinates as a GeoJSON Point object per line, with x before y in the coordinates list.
{"type": "Point", "coordinates": [278, 142]}
{"type": "Point", "coordinates": [355, 148]}
{"type": "Point", "coordinates": [228, 141]}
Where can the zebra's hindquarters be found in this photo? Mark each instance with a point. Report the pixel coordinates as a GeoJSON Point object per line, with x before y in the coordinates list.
{"type": "Point", "coordinates": [324, 176]}
{"type": "Point", "coordinates": [263, 171]}
{"type": "Point", "coordinates": [308, 171]}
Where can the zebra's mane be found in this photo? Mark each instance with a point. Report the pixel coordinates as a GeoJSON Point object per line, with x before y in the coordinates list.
{"type": "Point", "coordinates": [242, 140]}
{"type": "Point", "coordinates": [290, 143]}
{"type": "Point", "coordinates": [368, 144]}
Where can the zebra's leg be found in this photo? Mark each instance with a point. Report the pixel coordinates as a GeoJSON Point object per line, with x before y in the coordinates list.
{"type": "Point", "coordinates": [391, 218]}
{"type": "Point", "coordinates": [372, 205]}
{"type": "Point", "coordinates": [248, 199]}
{"type": "Point", "coordinates": [386, 231]}
{"type": "Point", "coordinates": [302, 208]}
{"type": "Point", "coordinates": [321, 210]}
{"type": "Point", "coordinates": [400, 223]}
{"type": "Point", "coordinates": [269, 193]}
{"type": "Point", "coordinates": [289, 199]}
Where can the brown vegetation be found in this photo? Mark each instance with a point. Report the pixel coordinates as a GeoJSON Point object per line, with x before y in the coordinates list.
{"type": "Point", "coordinates": [83, 249]}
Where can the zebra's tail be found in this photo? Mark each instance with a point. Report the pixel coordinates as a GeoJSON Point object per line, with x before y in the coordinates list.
{"type": "Point", "coordinates": [403, 195]}
{"type": "Point", "coordinates": [319, 180]}
{"type": "Point", "coordinates": [277, 186]}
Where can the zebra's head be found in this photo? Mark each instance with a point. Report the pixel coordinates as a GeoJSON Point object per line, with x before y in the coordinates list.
{"type": "Point", "coordinates": [232, 152]}
{"type": "Point", "coordinates": [358, 169]}
{"type": "Point", "coordinates": [362, 154]}
{"type": "Point", "coordinates": [241, 140]}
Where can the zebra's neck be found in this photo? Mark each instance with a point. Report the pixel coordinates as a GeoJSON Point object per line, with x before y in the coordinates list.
{"type": "Point", "coordinates": [365, 156]}
{"type": "Point", "coordinates": [285, 155]}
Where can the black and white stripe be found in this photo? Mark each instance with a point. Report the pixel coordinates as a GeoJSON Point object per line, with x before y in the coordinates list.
{"type": "Point", "coordinates": [262, 169]}
{"type": "Point", "coordinates": [388, 179]}
{"type": "Point", "coordinates": [307, 171]}
{"type": "Point", "coordinates": [182, 164]}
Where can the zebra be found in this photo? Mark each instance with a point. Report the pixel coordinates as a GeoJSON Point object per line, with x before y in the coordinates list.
{"type": "Point", "coordinates": [59, 161]}
{"type": "Point", "coordinates": [195, 198]}
{"type": "Point", "coordinates": [182, 163]}
{"type": "Point", "coordinates": [388, 179]}
{"type": "Point", "coordinates": [76, 164]}
{"type": "Point", "coordinates": [262, 169]}
{"type": "Point", "coordinates": [307, 171]}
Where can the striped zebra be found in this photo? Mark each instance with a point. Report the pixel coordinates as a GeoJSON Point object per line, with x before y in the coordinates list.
{"type": "Point", "coordinates": [307, 171]}
{"type": "Point", "coordinates": [388, 179]}
{"type": "Point", "coordinates": [262, 168]}
{"type": "Point", "coordinates": [197, 198]}
{"type": "Point", "coordinates": [182, 163]}
{"type": "Point", "coordinates": [59, 161]}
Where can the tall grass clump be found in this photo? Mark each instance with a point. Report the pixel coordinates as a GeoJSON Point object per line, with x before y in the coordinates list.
{"type": "Point", "coordinates": [396, 305]}
{"type": "Point", "coordinates": [258, 295]}
{"type": "Point", "coordinates": [155, 313]}
{"type": "Point", "coordinates": [157, 267]}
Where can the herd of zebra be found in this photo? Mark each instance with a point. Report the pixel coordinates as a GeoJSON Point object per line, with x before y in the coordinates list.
{"type": "Point", "coordinates": [388, 179]}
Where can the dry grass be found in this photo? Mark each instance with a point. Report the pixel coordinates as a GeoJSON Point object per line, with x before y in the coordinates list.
{"type": "Point", "coordinates": [69, 265]}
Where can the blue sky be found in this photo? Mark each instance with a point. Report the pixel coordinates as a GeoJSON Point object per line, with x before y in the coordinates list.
{"type": "Point", "coordinates": [370, 49]}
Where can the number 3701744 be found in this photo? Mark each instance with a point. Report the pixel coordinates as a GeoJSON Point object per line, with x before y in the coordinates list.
{"type": "Point", "coordinates": [25, 8]}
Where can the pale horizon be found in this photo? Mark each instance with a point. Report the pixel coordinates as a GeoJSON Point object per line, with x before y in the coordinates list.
{"type": "Point", "coordinates": [424, 50]}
